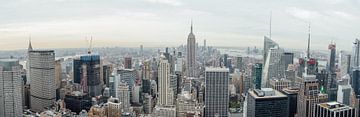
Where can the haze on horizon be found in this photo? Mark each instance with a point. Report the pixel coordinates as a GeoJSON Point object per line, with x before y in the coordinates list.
{"type": "Point", "coordinates": [160, 23]}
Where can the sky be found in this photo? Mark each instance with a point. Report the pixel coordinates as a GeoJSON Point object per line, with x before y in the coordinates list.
{"type": "Point", "coordinates": [162, 23]}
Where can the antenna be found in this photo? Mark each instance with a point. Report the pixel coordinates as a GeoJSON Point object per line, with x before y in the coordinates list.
{"type": "Point", "coordinates": [270, 23]}
{"type": "Point", "coordinates": [308, 48]}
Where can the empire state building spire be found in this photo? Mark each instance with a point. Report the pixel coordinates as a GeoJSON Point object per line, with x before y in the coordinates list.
{"type": "Point", "coordinates": [190, 55]}
{"type": "Point", "coordinates": [191, 28]}
{"type": "Point", "coordinates": [30, 48]}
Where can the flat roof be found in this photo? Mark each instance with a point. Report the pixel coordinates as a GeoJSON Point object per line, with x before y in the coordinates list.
{"type": "Point", "coordinates": [277, 94]}
{"type": "Point", "coordinates": [216, 69]}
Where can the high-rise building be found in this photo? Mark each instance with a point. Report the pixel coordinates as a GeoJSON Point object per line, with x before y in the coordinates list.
{"type": "Point", "coordinates": [334, 109]}
{"type": "Point", "coordinates": [11, 88]}
{"type": "Point", "coordinates": [344, 94]}
{"type": "Point", "coordinates": [164, 111]}
{"type": "Point", "coordinates": [266, 102]}
{"type": "Point", "coordinates": [147, 103]}
{"type": "Point", "coordinates": [114, 107]}
{"type": "Point", "coordinates": [129, 76]}
{"type": "Point", "coordinates": [239, 63]}
{"type": "Point", "coordinates": [216, 92]}
{"type": "Point", "coordinates": [107, 70]}
{"type": "Point", "coordinates": [256, 73]}
{"type": "Point", "coordinates": [355, 57]}
{"type": "Point", "coordinates": [331, 62]}
{"type": "Point", "coordinates": [123, 94]}
{"type": "Point", "coordinates": [87, 73]}
{"type": "Point", "coordinates": [273, 67]}
{"type": "Point", "coordinates": [42, 76]}
{"type": "Point", "coordinates": [292, 94]}
{"type": "Point", "coordinates": [190, 57]}
{"type": "Point", "coordinates": [165, 91]}
{"type": "Point", "coordinates": [309, 96]}
{"type": "Point", "coordinates": [279, 84]}
{"type": "Point", "coordinates": [286, 59]}
{"type": "Point", "coordinates": [268, 43]}
{"type": "Point", "coordinates": [58, 78]}
{"type": "Point", "coordinates": [128, 63]}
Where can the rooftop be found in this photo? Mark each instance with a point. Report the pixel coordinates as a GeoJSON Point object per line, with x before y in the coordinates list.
{"type": "Point", "coordinates": [266, 93]}
{"type": "Point", "coordinates": [335, 106]}
{"type": "Point", "coordinates": [216, 69]}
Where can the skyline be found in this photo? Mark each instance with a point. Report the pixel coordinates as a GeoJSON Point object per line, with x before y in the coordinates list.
{"type": "Point", "coordinates": [161, 23]}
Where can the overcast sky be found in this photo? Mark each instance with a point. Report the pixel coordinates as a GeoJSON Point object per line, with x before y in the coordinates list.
{"type": "Point", "coordinates": [160, 23]}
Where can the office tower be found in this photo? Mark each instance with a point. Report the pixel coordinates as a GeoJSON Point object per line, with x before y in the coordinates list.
{"type": "Point", "coordinates": [248, 83]}
{"type": "Point", "coordinates": [146, 69]}
{"type": "Point", "coordinates": [216, 92]}
{"type": "Point", "coordinates": [225, 60]}
{"type": "Point", "coordinates": [256, 73]}
{"type": "Point", "coordinates": [77, 101]}
{"type": "Point", "coordinates": [87, 73]}
{"type": "Point", "coordinates": [190, 57]}
{"type": "Point", "coordinates": [344, 94]}
{"type": "Point", "coordinates": [239, 63]}
{"type": "Point", "coordinates": [165, 91]}
{"type": "Point", "coordinates": [123, 94]}
{"type": "Point", "coordinates": [286, 59]}
{"type": "Point", "coordinates": [160, 111]}
{"type": "Point", "coordinates": [114, 107]}
{"type": "Point", "coordinates": [268, 43]}
{"type": "Point", "coordinates": [136, 94]}
{"type": "Point", "coordinates": [334, 109]}
{"type": "Point", "coordinates": [174, 85]}
{"type": "Point", "coordinates": [279, 83]}
{"type": "Point", "coordinates": [312, 66]}
{"type": "Point", "coordinates": [290, 74]}
{"type": "Point", "coordinates": [309, 95]}
{"type": "Point", "coordinates": [332, 87]}
{"type": "Point", "coordinates": [10, 88]}
{"type": "Point", "coordinates": [331, 61]}
{"type": "Point", "coordinates": [272, 67]}
{"type": "Point", "coordinates": [42, 76]}
{"type": "Point", "coordinates": [266, 102]}
{"type": "Point", "coordinates": [58, 78]}
{"type": "Point", "coordinates": [129, 76]}
{"type": "Point", "coordinates": [292, 94]}
{"type": "Point", "coordinates": [355, 57]}
{"type": "Point", "coordinates": [107, 70]}
{"type": "Point", "coordinates": [128, 63]}
{"type": "Point", "coordinates": [344, 63]}
{"type": "Point", "coordinates": [147, 103]}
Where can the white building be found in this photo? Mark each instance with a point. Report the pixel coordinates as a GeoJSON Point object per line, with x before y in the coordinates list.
{"type": "Point", "coordinates": [42, 76]}
{"type": "Point", "coordinates": [164, 111]}
{"type": "Point", "coordinates": [273, 67]}
{"type": "Point", "coordinates": [165, 91]}
{"type": "Point", "coordinates": [10, 88]}
{"type": "Point", "coordinates": [123, 94]}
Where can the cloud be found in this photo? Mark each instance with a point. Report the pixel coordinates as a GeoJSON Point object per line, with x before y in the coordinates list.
{"type": "Point", "coordinates": [302, 14]}
{"type": "Point", "coordinates": [167, 2]}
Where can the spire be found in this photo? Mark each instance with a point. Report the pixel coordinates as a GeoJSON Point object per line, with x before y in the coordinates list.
{"type": "Point", "coordinates": [308, 45]}
{"type": "Point", "coordinates": [30, 46]}
{"type": "Point", "coordinates": [191, 28]}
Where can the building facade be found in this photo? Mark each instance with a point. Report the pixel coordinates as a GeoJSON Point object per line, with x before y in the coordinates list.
{"type": "Point", "coordinates": [216, 92]}
{"type": "Point", "coordinates": [10, 88]}
{"type": "Point", "coordinates": [42, 76]}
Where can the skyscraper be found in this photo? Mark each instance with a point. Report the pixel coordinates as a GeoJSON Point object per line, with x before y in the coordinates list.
{"type": "Point", "coordinates": [10, 88]}
{"type": "Point", "coordinates": [216, 92]}
{"type": "Point", "coordinates": [286, 59]}
{"type": "Point", "coordinates": [42, 76]}
{"type": "Point", "coordinates": [331, 61]}
{"type": "Point", "coordinates": [334, 109]}
{"type": "Point", "coordinates": [256, 73]}
{"type": "Point", "coordinates": [123, 94]}
{"type": "Point", "coordinates": [87, 73]}
{"type": "Point", "coordinates": [190, 58]}
{"type": "Point", "coordinates": [165, 91]}
{"type": "Point", "coordinates": [266, 102]}
{"type": "Point", "coordinates": [268, 43]}
{"type": "Point", "coordinates": [273, 67]}
{"type": "Point", "coordinates": [128, 63]}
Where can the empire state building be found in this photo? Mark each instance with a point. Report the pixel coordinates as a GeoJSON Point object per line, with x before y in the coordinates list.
{"type": "Point", "coordinates": [190, 58]}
